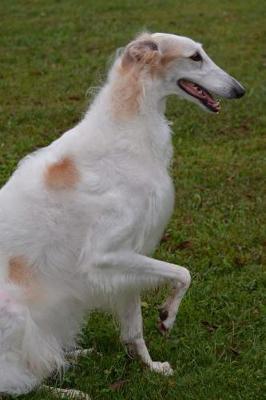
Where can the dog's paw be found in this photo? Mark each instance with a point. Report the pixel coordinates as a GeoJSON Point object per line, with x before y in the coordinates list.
{"type": "Point", "coordinates": [163, 368]}
{"type": "Point", "coordinates": [166, 321]}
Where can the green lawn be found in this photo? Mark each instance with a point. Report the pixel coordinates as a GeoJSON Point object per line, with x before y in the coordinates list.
{"type": "Point", "coordinates": [51, 53]}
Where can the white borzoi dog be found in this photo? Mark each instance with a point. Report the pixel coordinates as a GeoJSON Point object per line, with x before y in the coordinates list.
{"type": "Point", "coordinates": [80, 219]}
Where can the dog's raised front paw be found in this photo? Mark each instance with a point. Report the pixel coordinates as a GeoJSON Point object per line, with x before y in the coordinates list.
{"type": "Point", "coordinates": [166, 321]}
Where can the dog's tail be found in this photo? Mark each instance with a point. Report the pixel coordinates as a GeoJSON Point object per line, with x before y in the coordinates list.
{"type": "Point", "coordinates": [27, 353]}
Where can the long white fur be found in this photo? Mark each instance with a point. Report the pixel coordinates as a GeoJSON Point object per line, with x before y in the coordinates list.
{"type": "Point", "coordinates": [91, 247]}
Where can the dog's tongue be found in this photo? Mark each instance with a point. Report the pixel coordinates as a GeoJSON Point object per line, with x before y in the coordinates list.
{"type": "Point", "coordinates": [197, 91]}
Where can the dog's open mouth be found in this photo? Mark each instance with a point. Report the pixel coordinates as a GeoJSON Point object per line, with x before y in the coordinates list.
{"type": "Point", "coordinates": [195, 90]}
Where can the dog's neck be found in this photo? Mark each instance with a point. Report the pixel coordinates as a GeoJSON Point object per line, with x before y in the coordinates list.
{"type": "Point", "coordinates": [145, 130]}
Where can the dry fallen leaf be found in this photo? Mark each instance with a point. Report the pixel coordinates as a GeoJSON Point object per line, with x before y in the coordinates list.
{"type": "Point", "coordinates": [74, 97]}
{"type": "Point", "coordinates": [118, 385]}
{"type": "Point", "coordinates": [187, 244]}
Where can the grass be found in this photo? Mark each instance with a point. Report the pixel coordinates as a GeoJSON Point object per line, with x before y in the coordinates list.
{"type": "Point", "coordinates": [51, 52]}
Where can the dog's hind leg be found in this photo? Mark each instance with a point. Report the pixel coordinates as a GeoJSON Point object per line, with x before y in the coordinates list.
{"type": "Point", "coordinates": [129, 314]}
{"type": "Point", "coordinates": [71, 394]}
{"type": "Point", "coordinates": [73, 356]}
{"type": "Point", "coordinates": [15, 378]}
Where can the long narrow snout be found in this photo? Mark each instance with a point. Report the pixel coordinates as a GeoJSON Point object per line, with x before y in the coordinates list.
{"type": "Point", "coordinates": [222, 84]}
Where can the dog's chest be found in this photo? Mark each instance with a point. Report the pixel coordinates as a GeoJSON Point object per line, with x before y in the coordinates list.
{"type": "Point", "coordinates": [158, 210]}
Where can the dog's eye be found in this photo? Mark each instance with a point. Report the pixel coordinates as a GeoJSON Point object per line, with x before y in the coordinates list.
{"type": "Point", "coordinates": [196, 57]}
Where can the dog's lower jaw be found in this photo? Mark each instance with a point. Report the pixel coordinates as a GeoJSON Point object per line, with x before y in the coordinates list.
{"type": "Point", "coordinates": [138, 348]}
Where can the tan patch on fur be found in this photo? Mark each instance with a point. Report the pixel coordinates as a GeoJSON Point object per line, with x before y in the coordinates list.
{"type": "Point", "coordinates": [126, 93]}
{"type": "Point", "coordinates": [62, 174]}
{"type": "Point", "coordinates": [170, 56]}
{"type": "Point", "coordinates": [159, 66]}
{"type": "Point", "coordinates": [141, 56]}
{"type": "Point", "coordinates": [19, 271]}
{"type": "Point", "coordinates": [22, 274]}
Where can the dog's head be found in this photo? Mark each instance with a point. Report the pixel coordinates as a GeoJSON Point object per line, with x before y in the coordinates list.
{"type": "Point", "coordinates": [178, 65]}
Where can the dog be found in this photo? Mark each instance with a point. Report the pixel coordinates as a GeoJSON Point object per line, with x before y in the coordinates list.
{"type": "Point", "coordinates": [81, 218]}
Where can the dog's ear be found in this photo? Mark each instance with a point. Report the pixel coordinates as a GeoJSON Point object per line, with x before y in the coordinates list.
{"type": "Point", "coordinates": [140, 52]}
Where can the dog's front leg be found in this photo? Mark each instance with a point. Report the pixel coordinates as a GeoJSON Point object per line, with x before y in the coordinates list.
{"type": "Point", "coordinates": [168, 310]}
{"type": "Point", "coordinates": [129, 314]}
{"type": "Point", "coordinates": [124, 270]}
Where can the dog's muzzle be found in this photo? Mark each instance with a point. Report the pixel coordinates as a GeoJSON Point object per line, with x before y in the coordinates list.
{"type": "Point", "coordinates": [236, 90]}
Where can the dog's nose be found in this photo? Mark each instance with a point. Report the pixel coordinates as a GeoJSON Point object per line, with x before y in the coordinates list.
{"type": "Point", "coordinates": [237, 90]}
